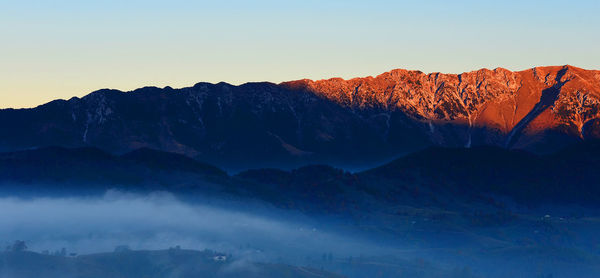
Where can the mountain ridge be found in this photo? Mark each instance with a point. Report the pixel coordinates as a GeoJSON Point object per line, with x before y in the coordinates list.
{"type": "Point", "coordinates": [568, 176]}
{"type": "Point", "coordinates": [354, 122]}
{"type": "Point", "coordinates": [358, 78]}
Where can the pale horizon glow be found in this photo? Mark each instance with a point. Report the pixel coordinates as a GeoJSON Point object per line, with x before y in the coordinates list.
{"type": "Point", "coordinates": [70, 48]}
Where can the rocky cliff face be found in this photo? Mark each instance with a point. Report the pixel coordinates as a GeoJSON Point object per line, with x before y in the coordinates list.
{"type": "Point", "coordinates": [485, 107]}
{"type": "Point", "coordinates": [346, 122]}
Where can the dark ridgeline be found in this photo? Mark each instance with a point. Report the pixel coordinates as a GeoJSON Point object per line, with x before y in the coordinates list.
{"type": "Point", "coordinates": [442, 177]}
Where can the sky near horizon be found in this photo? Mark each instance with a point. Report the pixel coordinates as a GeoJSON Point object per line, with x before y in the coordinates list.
{"type": "Point", "coordinates": [64, 48]}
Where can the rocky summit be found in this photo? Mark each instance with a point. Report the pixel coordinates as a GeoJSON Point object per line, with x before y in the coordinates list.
{"type": "Point", "coordinates": [348, 123]}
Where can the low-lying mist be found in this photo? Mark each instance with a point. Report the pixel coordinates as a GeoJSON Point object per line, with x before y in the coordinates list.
{"type": "Point", "coordinates": [258, 232]}
{"type": "Point", "coordinates": [159, 220]}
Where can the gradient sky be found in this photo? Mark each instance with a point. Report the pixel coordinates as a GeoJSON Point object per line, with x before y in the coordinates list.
{"type": "Point", "coordinates": [64, 48]}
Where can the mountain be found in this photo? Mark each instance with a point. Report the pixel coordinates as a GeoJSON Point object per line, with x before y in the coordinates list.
{"type": "Point", "coordinates": [436, 176]}
{"type": "Point", "coordinates": [484, 107]}
{"type": "Point", "coordinates": [349, 123]}
{"type": "Point", "coordinates": [479, 173]}
{"type": "Point", "coordinates": [91, 170]}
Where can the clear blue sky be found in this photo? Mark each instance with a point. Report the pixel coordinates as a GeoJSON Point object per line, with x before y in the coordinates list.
{"type": "Point", "coordinates": [63, 48]}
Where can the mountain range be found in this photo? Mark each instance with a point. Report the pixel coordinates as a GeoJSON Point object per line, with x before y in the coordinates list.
{"type": "Point", "coordinates": [492, 169]}
{"type": "Point", "coordinates": [355, 124]}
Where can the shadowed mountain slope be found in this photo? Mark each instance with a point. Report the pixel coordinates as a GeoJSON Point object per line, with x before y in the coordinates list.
{"type": "Point", "coordinates": [435, 176]}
